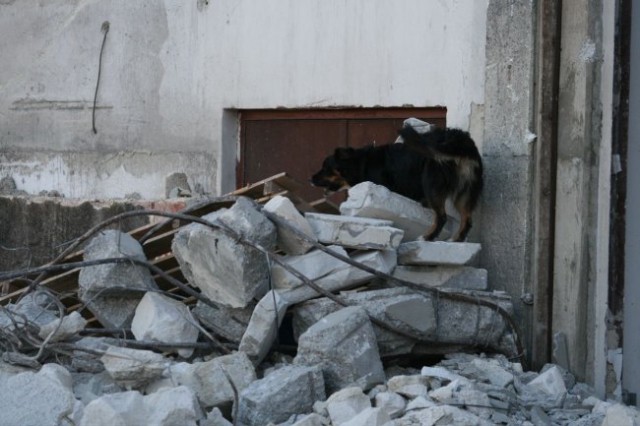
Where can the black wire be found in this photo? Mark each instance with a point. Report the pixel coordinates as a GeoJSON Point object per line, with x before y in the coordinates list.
{"type": "Point", "coordinates": [105, 28]}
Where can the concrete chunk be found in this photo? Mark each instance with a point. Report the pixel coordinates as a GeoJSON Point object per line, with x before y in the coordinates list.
{"type": "Point", "coordinates": [355, 232]}
{"type": "Point", "coordinates": [313, 265]}
{"type": "Point", "coordinates": [391, 403]}
{"type": "Point", "coordinates": [263, 326]}
{"type": "Point", "coordinates": [68, 327]}
{"type": "Point", "coordinates": [346, 403]}
{"type": "Point", "coordinates": [161, 319]}
{"type": "Point", "coordinates": [287, 391]}
{"type": "Point", "coordinates": [123, 408]}
{"type": "Point", "coordinates": [112, 291]}
{"type": "Point", "coordinates": [344, 345]}
{"type": "Point", "coordinates": [459, 323]}
{"type": "Point", "coordinates": [227, 271]}
{"type": "Point", "coordinates": [345, 276]}
{"type": "Point", "coordinates": [289, 241]}
{"type": "Point", "coordinates": [133, 367]}
{"type": "Point", "coordinates": [230, 323]}
{"type": "Point", "coordinates": [450, 277]}
{"type": "Point", "coordinates": [551, 385]}
{"type": "Point", "coordinates": [375, 201]}
{"type": "Point", "coordinates": [37, 399]}
{"type": "Point", "coordinates": [210, 380]}
{"type": "Point", "coordinates": [387, 305]}
{"type": "Point", "coordinates": [437, 253]}
{"type": "Point", "coordinates": [172, 406]}
{"type": "Point", "coordinates": [369, 417]}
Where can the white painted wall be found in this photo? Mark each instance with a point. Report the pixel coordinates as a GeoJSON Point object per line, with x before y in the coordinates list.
{"type": "Point", "coordinates": [175, 72]}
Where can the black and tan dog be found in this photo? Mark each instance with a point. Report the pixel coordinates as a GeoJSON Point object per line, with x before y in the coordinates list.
{"type": "Point", "coordinates": [429, 168]}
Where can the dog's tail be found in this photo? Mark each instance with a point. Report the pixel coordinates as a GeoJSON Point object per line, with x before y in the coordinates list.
{"type": "Point", "coordinates": [441, 143]}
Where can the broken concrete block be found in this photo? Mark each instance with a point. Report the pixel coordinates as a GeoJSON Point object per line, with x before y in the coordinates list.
{"type": "Point", "coordinates": [369, 417]}
{"type": "Point", "coordinates": [172, 406]}
{"type": "Point", "coordinates": [409, 386]}
{"type": "Point", "coordinates": [225, 270]}
{"type": "Point", "coordinates": [37, 399]}
{"type": "Point", "coordinates": [215, 418]}
{"type": "Point", "coordinates": [168, 406]}
{"type": "Point", "coordinates": [391, 403]}
{"type": "Point", "coordinates": [287, 391]}
{"type": "Point", "coordinates": [437, 253]}
{"type": "Point", "coordinates": [377, 202]}
{"type": "Point", "coordinates": [459, 323]}
{"type": "Point", "coordinates": [345, 276]}
{"type": "Point", "coordinates": [550, 384]}
{"type": "Point", "coordinates": [445, 277]}
{"type": "Point", "coordinates": [123, 408]}
{"type": "Point", "coordinates": [346, 403]}
{"type": "Point", "coordinates": [263, 326]}
{"type": "Point", "coordinates": [289, 241]}
{"type": "Point", "coordinates": [344, 345]}
{"type": "Point", "coordinates": [444, 414]}
{"type": "Point", "coordinates": [89, 386]}
{"type": "Point", "coordinates": [112, 291]}
{"type": "Point", "coordinates": [620, 415]}
{"type": "Point", "coordinates": [210, 380]}
{"type": "Point", "coordinates": [488, 370]}
{"type": "Point", "coordinates": [314, 265]}
{"type": "Point", "coordinates": [230, 323]}
{"type": "Point", "coordinates": [404, 309]}
{"type": "Point", "coordinates": [355, 232]}
{"type": "Point", "coordinates": [64, 329]}
{"type": "Point", "coordinates": [133, 367]}
{"type": "Point", "coordinates": [161, 319]}
{"type": "Point", "coordinates": [312, 419]}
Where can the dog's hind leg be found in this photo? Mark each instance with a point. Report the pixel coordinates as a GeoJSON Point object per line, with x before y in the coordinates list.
{"type": "Point", "coordinates": [438, 223]}
{"type": "Point", "coordinates": [462, 204]}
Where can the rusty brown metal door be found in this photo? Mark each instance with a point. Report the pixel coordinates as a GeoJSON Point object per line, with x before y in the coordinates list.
{"type": "Point", "coordinates": [297, 141]}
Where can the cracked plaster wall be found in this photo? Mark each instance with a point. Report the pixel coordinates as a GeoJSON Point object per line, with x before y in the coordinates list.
{"type": "Point", "coordinates": [174, 74]}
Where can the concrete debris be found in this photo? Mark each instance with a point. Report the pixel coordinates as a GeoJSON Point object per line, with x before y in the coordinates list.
{"type": "Point", "coordinates": [377, 202]}
{"type": "Point", "coordinates": [37, 399]}
{"type": "Point", "coordinates": [240, 342]}
{"type": "Point", "coordinates": [226, 271]}
{"type": "Point", "coordinates": [344, 345]}
{"type": "Point", "coordinates": [355, 232]}
{"type": "Point", "coordinates": [133, 368]}
{"type": "Point", "coordinates": [161, 319]}
{"type": "Point", "coordinates": [288, 241]}
{"type": "Point", "coordinates": [286, 391]}
{"type": "Point", "coordinates": [112, 291]}
{"type": "Point", "coordinates": [434, 253]}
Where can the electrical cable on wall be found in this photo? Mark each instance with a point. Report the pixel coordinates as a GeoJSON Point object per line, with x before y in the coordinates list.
{"type": "Point", "coordinates": [105, 29]}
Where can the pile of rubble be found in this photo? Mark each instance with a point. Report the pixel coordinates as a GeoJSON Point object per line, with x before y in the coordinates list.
{"type": "Point", "coordinates": [289, 319]}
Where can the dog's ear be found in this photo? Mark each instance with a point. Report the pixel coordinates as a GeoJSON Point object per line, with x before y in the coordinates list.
{"type": "Point", "coordinates": [343, 153]}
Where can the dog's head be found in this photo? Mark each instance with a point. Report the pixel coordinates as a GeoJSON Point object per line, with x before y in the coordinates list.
{"type": "Point", "coordinates": [338, 170]}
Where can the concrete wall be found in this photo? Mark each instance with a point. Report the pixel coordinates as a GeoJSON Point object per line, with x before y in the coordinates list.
{"type": "Point", "coordinates": [175, 73]}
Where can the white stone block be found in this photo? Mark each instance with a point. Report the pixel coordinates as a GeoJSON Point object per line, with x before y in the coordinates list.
{"type": "Point", "coordinates": [346, 403]}
{"type": "Point", "coordinates": [409, 386]}
{"type": "Point", "coordinates": [263, 326]}
{"type": "Point", "coordinates": [437, 253]}
{"type": "Point", "coordinates": [119, 409]}
{"type": "Point", "coordinates": [69, 327]}
{"type": "Point", "coordinates": [227, 272]}
{"type": "Point", "coordinates": [345, 276]}
{"type": "Point", "coordinates": [451, 277]}
{"type": "Point", "coordinates": [133, 367]}
{"type": "Point", "coordinates": [172, 406]}
{"type": "Point", "coordinates": [375, 201]}
{"type": "Point", "coordinates": [289, 241]}
{"type": "Point", "coordinates": [313, 265]}
{"type": "Point", "coordinates": [355, 232]}
{"type": "Point", "coordinates": [210, 380]}
{"type": "Point", "coordinates": [275, 398]}
{"type": "Point", "coordinates": [343, 344]}
{"type": "Point", "coordinates": [550, 383]}
{"type": "Point", "coordinates": [369, 417]}
{"type": "Point", "coordinates": [391, 403]}
{"type": "Point", "coordinates": [161, 319]}
{"type": "Point", "coordinates": [36, 399]}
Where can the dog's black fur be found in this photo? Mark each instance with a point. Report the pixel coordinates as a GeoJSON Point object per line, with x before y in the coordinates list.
{"type": "Point", "coordinates": [428, 168]}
